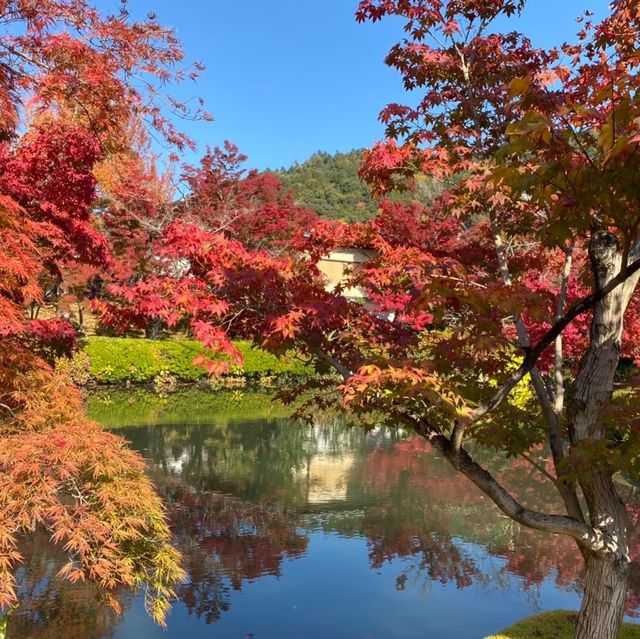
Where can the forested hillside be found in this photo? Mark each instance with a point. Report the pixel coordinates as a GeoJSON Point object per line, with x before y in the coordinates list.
{"type": "Point", "coordinates": [330, 186]}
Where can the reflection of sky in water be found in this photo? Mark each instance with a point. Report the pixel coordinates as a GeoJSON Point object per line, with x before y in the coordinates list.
{"type": "Point", "coordinates": [372, 538]}
{"type": "Point", "coordinates": [332, 592]}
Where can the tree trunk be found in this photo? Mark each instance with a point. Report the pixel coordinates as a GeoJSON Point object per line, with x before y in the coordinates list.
{"type": "Point", "coordinates": [602, 608]}
{"type": "Point", "coordinates": [607, 553]}
{"type": "Point", "coordinates": [153, 328]}
{"type": "Point", "coordinates": [607, 559]}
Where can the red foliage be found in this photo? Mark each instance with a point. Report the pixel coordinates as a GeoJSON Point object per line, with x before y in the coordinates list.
{"type": "Point", "coordinates": [538, 162]}
{"type": "Point", "coordinates": [51, 338]}
{"type": "Point", "coordinates": [243, 204]}
{"type": "Point", "coordinates": [50, 174]}
{"type": "Point", "coordinates": [67, 102]}
{"type": "Point", "coordinates": [100, 70]}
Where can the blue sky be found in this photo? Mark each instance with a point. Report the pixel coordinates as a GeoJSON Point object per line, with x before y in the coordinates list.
{"type": "Point", "coordinates": [286, 78]}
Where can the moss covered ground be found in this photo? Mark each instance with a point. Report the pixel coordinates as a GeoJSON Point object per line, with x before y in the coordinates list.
{"type": "Point", "coordinates": [556, 624]}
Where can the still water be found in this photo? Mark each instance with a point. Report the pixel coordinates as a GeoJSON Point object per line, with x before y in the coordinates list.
{"type": "Point", "coordinates": [316, 532]}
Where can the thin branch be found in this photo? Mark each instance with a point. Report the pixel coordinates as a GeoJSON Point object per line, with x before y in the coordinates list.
{"type": "Point", "coordinates": [558, 363]}
{"type": "Point", "coordinates": [539, 467]}
{"type": "Point", "coordinates": [332, 361]}
{"type": "Point", "coordinates": [551, 415]}
{"type": "Point", "coordinates": [566, 488]}
{"type": "Point", "coordinates": [521, 329]}
{"type": "Point", "coordinates": [8, 409]}
{"type": "Point", "coordinates": [532, 355]}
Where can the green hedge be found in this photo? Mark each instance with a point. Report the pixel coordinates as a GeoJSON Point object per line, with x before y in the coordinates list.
{"type": "Point", "coordinates": [117, 359]}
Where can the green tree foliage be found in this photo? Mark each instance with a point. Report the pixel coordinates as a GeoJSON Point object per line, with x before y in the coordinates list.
{"type": "Point", "coordinates": [330, 186]}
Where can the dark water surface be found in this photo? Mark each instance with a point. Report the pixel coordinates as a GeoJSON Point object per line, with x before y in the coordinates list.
{"type": "Point", "coordinates": [312, 533]}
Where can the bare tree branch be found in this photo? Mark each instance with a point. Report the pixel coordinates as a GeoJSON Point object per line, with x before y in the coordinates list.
{"type": "Point", "coordinates": [8, 409]}
{"type": "Point", "coordinates": [558, 359]}
{"type": "Point", "coordinates": [521, 329]}
{"type": "Point", "coordinates": [551, 415]}
{"type": "Point", "coordinates": [343, 370]}
{"type": "Point", "coordinates": [539, 467]}
{"type": "Point", "coordinates": [567, 489]}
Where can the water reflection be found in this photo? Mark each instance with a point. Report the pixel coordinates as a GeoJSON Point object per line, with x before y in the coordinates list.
{"type": "Point", "coordinates": [427, 508]}
{"type": "Point", "coordinates": [267, 512]}
{"type": "Point", "coordinates": [52, 608]}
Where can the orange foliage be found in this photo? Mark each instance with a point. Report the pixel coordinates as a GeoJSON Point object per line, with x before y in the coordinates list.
{"type": "Point", "coordinates": [63, 473]}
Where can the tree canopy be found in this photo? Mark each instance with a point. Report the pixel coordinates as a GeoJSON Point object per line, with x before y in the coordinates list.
{"type": "Point", "coordinates": [73, 83]}
{"type": "Point", "coordinates": [330, 186]}
{"type": "Point", "coordinates": [499, 297]}
{"type": "Point", "coordinates": [499, 316]}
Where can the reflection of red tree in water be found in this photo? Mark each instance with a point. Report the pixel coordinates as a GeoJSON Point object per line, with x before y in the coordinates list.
{"type": "Point", "coordinates": [428, 507]}
{"type": "Point", "coordinates": [226, 542]}
{"type": "Point", "coordinates": [248, 540]}
{"type": "Point", "coordinates": [441, 560]}
{"type": "Point", "coordinates": [53, 608]}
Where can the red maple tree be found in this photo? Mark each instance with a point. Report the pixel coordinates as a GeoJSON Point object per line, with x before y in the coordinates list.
{"type": "Point", "coordinates": [68, 98]}
{"type": "Point", "coordinates": [243, 204]}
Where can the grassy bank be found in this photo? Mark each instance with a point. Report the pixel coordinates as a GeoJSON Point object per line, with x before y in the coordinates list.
{"type": "Point", "coordinates": [557, 624]}
{"type": "Point", "coordinates": [114, 360]}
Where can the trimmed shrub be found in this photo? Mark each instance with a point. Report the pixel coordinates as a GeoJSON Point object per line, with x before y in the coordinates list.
{"type": "Point", "coordinates": [164, 383]}
{"type": "Point", "coordinates": [116, 360]}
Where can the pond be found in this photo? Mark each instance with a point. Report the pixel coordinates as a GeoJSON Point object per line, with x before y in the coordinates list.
{"type": "Point", "coordinates": [311, 533]}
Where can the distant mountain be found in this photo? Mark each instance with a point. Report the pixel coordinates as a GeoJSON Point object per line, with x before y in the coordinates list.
{"type": "Point", "coordinates": [329, 185]}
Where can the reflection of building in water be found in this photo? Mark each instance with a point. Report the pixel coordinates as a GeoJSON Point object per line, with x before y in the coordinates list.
{"type": "Point", "coordinates": [328, 466]}
{"type": "Point", "coordinates": [326, 477]}
{"type": "Point", "coordinates": [176, 463]}
{"type": "Point", "coordinates": [336, 265]}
